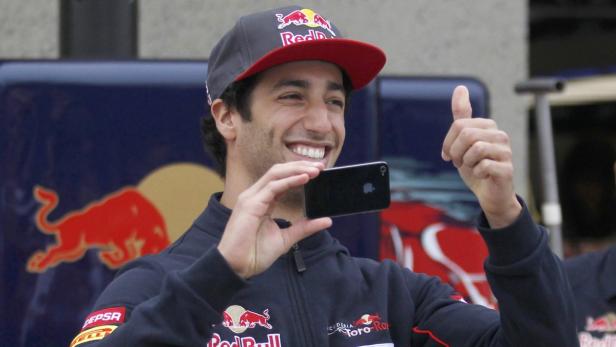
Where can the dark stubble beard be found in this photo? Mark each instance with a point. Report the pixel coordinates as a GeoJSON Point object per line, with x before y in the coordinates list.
{"type": "Point", "coordinates": [293, 199]}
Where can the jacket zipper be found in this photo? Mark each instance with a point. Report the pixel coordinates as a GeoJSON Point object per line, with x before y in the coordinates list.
{"type": "Point", "coordinates": [296, 267]}
{"type": "Point", "coordinates": [299, 259]}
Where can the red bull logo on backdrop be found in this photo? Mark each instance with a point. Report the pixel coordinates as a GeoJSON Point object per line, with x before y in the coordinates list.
{"type": "Point", "coordinates": [125, 224]}
{"type": "Point", "coordinates": [304, 17]}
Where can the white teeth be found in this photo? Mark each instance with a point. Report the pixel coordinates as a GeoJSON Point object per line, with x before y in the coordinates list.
{"type": "Point", "coordinates": [311, 152]}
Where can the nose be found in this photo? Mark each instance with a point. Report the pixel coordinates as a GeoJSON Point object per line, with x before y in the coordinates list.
{"type": "Point", "coordinates": [317, 118]}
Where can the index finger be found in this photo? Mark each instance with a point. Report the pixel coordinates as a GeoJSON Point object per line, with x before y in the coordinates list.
{"type": "Point", "coordinates": [287, 169]}
{"type": "Point", "coordinates": [461, 103]}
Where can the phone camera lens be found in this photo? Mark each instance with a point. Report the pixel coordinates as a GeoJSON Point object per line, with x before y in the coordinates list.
{"type": "Point", "coordinates": [383, 170]}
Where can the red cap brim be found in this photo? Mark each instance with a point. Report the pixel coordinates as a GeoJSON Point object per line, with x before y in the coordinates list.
{"type": "Point", "coordinates": [361, 61]}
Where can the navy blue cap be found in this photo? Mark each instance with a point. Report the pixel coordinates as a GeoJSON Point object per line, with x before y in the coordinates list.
{"type": "Point", "coordinates": [262, 40]}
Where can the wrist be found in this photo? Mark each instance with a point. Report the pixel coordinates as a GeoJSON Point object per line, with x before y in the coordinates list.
{"type": "Point", "coordinates": [505, 215]}
{"type": "Point", "coordinates": [239, 271]}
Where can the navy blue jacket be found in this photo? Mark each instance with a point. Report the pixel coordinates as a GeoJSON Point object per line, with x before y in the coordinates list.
{"type": "Point", "coordinates": [318, 295]}
{"type": "Point", "coordinates": [593, 280]}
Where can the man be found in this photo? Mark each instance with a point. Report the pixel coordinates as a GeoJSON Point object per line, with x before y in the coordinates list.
{"type": "Point", "coordinates": [594, 284]}
{"type": "Point", "coordinates": [252, 271]}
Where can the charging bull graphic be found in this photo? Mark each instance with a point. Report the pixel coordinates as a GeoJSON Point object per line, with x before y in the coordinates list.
{"type": "Point", "coordinates": [128, 223]}
{"type": "Point", "coordinates": [238, 319]}
{"type": "Point", "coordinates": [123, 226]}
{"type": "Point", "coordinates": [424, 239]}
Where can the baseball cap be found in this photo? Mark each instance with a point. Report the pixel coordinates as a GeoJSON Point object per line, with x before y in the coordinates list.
{"type": "Point", "coordinates": [265, 39]}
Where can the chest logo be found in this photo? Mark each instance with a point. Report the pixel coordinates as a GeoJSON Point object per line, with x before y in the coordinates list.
{"type": "Point", "coordinates": [239, 319]}
{"type": "Point", "coordinates": [605, 323]}
{"type": "Point", "coordinates": [365, 324]}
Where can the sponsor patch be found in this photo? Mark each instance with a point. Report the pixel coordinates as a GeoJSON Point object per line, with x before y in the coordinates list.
{"type": "Point", "coordinates": [238, 319]}
{"type": "Point", "coordinates": [112, 315]}
{"type": "Point", "coordinates": [365, 324]}
{"type": "Point", "coordinates": [93, 334]}
{"type": "Point", "coordinates": [273, 340]}
{"type": "Point", "coordinates": [321, 27]}
{"type": "Point", "coordinates": [587, 340]}
{"type": "Point", "coordinates": [605, 323]}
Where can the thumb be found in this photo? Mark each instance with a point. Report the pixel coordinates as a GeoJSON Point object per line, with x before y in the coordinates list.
{"type": "Point", "coordinates": [461, 103]}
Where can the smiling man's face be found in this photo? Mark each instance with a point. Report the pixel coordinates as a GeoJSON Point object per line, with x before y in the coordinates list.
{"type": "Point", "coordinates": [297, 112]}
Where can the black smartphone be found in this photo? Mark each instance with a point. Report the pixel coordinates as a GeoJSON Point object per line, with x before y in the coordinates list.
{"type": "Point", "coordinates": [347, 190]}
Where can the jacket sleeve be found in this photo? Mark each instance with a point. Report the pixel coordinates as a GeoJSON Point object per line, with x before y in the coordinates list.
{"type": "Point", "coordinates": [533, 292]}
{"type": "Point", "coordinates": [180, 311]}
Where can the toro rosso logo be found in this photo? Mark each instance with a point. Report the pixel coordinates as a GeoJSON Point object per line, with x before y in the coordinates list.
{"type": "Point", "coordinates": [367, 319]}
{"type": "Point", "coordinates": [304, 17]}
{"type": "Point", "coordinates": [365, 324]}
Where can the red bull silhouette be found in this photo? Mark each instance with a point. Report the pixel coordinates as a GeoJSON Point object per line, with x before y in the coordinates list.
{"type": "Point", "coordinates": [123, 226]}
{"type": "Point", "coordinates": [250, 319]}
{"type": "Point", "coordinates": [606, 323]}
{"type": "Point", "coordinates": [227, 320]}
{"type": "Point", "coordinates": [323, 23]}
{"type": "Point", "coordinates": [296, 17]}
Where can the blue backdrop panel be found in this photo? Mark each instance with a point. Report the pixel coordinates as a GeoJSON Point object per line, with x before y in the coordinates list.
{"type": "Point", "coordinates": [84, 130]}
{"type": "Point", "coordinates": [415, 114]}
{"type": "Point", "coordinates": [360, 232]}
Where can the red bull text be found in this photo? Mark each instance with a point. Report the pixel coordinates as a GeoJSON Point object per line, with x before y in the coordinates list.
{"type": "Point", "coordinates": [273, 340]}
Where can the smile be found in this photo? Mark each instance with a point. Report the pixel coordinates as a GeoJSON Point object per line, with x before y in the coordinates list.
{"type": "Point", "coordinates": [308, 151]}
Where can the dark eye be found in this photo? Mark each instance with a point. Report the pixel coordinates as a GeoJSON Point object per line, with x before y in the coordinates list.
{"type": "Point", "coordinates": [337, 102]}
{"type": "Point", "coordinates": [291, 96]}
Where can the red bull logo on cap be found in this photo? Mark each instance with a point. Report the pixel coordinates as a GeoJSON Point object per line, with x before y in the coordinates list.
{"type": "Point", "coordinates": [304, 17]}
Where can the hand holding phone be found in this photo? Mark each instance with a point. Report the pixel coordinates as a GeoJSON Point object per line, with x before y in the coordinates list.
{"type": "Point", "coordinates": [348, 190]}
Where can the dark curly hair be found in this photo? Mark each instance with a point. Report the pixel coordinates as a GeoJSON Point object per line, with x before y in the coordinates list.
{"type": "Point", "coordinates": [237, 95]}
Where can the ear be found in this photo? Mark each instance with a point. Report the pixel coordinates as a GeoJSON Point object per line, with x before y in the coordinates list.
{"type": "Point", "coordinates": [225, 120]}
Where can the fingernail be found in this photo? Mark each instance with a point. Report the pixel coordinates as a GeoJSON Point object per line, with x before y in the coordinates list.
{"type": "Point", "coordinates": [444, 156]}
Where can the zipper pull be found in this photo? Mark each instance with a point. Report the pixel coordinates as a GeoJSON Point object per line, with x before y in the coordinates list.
{"type": "Point", "coordinates": [299, 260]}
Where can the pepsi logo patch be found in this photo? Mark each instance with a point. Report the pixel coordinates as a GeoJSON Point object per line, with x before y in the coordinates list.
{"type": "Point", "coordinates": [112, 315]}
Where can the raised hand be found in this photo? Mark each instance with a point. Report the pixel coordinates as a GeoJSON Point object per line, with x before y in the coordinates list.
{"type": "Point", "coordinates": [482, 154]}
{"type": "Point", "coordinates": [252, 241]}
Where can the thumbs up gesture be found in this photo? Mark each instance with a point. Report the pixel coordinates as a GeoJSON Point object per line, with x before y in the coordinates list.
{"type": "Point", "coordinates": [482, 154]}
